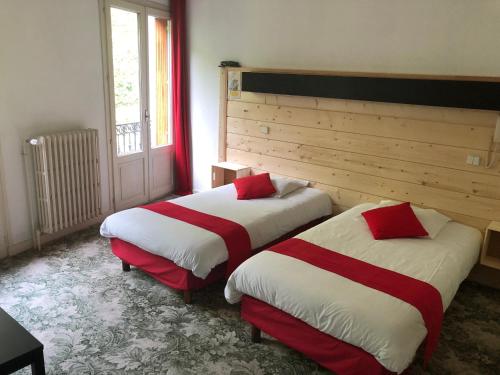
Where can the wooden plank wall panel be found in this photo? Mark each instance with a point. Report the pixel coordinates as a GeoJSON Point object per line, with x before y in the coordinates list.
{"type": "Point", "coordinates": [389, 127]}
{"type": "Point", "coordinates": [425, 153]}
{"type": "Point", "coordinates": [438, 177]}
{"type": "Point", "coordinates": [222, 114]}
{"type": "Point", "coordinates": [343, 199]}
{"type": "Point", "coordinates": [367, 151]}
{"type": "Point", "coordinates": [422, 195]}
{"type": "Point", "coordinates": [435, 114]}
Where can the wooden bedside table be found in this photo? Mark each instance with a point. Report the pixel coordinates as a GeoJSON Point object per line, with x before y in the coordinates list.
{"type": "Point", "coordinates": [224, 173]}
{"type": "Point", "coordinates": [490, 255]}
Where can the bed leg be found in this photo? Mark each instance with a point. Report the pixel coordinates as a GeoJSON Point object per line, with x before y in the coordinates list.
{"type": "Point", "coordinates": [125, 266]}
{"type": "Point", "coordinates": [187, 297]}
{"type": "Point", "coordinates": [255, 333]}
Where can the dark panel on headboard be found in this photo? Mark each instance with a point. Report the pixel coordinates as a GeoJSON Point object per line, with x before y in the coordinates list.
{"type": "Point", "coordinates": [441, 93]}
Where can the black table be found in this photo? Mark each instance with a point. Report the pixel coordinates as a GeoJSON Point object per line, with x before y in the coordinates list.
{"type": "Point", "coordinates": [18, 348]}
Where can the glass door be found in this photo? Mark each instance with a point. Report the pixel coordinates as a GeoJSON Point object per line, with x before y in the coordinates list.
{"type": "Point", "coordinates": [138, 64]}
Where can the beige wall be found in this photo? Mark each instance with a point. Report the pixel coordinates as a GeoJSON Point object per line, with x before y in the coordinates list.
{"type": "Point", "coordinates": [426, 36]}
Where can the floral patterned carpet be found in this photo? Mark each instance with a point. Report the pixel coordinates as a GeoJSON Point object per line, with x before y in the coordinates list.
{"type": "Point", "coordinates": [95, 319]}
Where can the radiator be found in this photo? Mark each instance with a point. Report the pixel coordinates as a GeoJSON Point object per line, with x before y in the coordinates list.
{"type": "Point", "coordinates": [67, 180]}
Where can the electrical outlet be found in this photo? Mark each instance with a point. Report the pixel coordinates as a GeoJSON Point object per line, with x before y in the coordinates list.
{"type": "Point", "coordinates": [473, 160]}
{"type": "Point", "coordinates": [264, 129]}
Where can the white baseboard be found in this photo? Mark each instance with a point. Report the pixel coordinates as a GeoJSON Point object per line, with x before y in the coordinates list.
{"type": "Point", "coordinates": [25, 245]}
{"type": "Point", "coordinates": [19, 247]}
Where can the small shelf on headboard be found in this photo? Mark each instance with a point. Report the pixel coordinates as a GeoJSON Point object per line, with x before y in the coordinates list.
{"type": "Point", "coordinates": [472, 94]}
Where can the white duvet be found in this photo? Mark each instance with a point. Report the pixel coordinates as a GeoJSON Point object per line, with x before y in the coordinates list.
{"type": "Point", "coordinates": [200, 250]}
{"type": "Point", "coordinates": [384, 326]}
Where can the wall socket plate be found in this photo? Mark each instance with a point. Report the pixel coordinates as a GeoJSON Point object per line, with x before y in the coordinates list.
{"type": "Point", "coordinates": [473, 160]}
{"type": "Point", "coordinates": [264, 129]}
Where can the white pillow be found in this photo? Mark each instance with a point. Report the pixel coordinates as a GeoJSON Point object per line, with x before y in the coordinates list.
{"type": "Point", "coordinates": [286, 185]}
{"type": "Point", "coordinates": [431, 220]}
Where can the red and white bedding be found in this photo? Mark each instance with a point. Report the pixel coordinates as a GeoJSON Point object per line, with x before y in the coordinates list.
{"type": "Point", "coordinates": [388, 328]}
{"type": "Point", "coordinates": [200, 250]}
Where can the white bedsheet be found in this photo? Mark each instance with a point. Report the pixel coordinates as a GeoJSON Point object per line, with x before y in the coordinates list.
{"type": "Point", "coordinates": [200, 250]}
{"type": "Point", "coordinates": [384, 326]}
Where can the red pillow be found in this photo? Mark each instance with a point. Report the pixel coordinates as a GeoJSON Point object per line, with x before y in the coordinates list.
{"type": "Point", "coordinates": [252, 187]}
{"type": "Point", "coordinates": [394, 222]}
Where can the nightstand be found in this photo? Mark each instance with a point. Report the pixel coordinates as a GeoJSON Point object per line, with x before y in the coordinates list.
{"type": "Point", "coordinates": [224, 173]}
{"type": "Point", "coordinates": [490, 255]}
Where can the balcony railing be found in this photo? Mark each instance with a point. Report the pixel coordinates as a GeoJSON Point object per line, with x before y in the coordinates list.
{"type": "Point", "coordinates": [128, 138]}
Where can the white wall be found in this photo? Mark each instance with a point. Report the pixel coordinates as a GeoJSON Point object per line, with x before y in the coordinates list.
{"type": "Point", "coordinates": [398, 36]}
{"type": "Point", "coordinates": [3, 234]}
{"type": "Point", "coordinates": [50, 79]}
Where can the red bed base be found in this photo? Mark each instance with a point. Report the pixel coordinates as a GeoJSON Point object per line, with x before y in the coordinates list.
{"type": "Point", "coordinates": [162, 269]}
{"type": "Point", "coordinates": [170, 274]}
{"type": "Point", "coordinates": [331, 353]}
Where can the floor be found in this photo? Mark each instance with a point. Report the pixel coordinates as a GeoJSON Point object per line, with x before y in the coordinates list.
{"type": "Point", "coordinates": [95, 319]}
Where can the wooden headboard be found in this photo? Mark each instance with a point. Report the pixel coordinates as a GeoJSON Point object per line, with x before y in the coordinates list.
{"type": "Point", "coordinates": [365, 151]}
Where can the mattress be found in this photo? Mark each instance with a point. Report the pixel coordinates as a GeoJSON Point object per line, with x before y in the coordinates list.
{"type": "Point", "coordinates": [389, 329]}
{"type": "Point", "coordinates": [200, 250]}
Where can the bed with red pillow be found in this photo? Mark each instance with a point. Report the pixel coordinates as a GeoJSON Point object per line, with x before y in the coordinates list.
{"type": "Point", "coordinates": [354, 303]}
{"type": "Point", "coordinates": [192, 241]}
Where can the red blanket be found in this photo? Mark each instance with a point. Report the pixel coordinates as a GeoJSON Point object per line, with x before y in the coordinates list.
{"type": "Point", "coordinates": [234, 235]}
{"type": "Point", "coordinates": [423, 296]}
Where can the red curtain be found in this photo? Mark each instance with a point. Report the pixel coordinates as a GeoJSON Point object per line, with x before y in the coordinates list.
{"type": "Point", "coordinates": [180, 105]}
